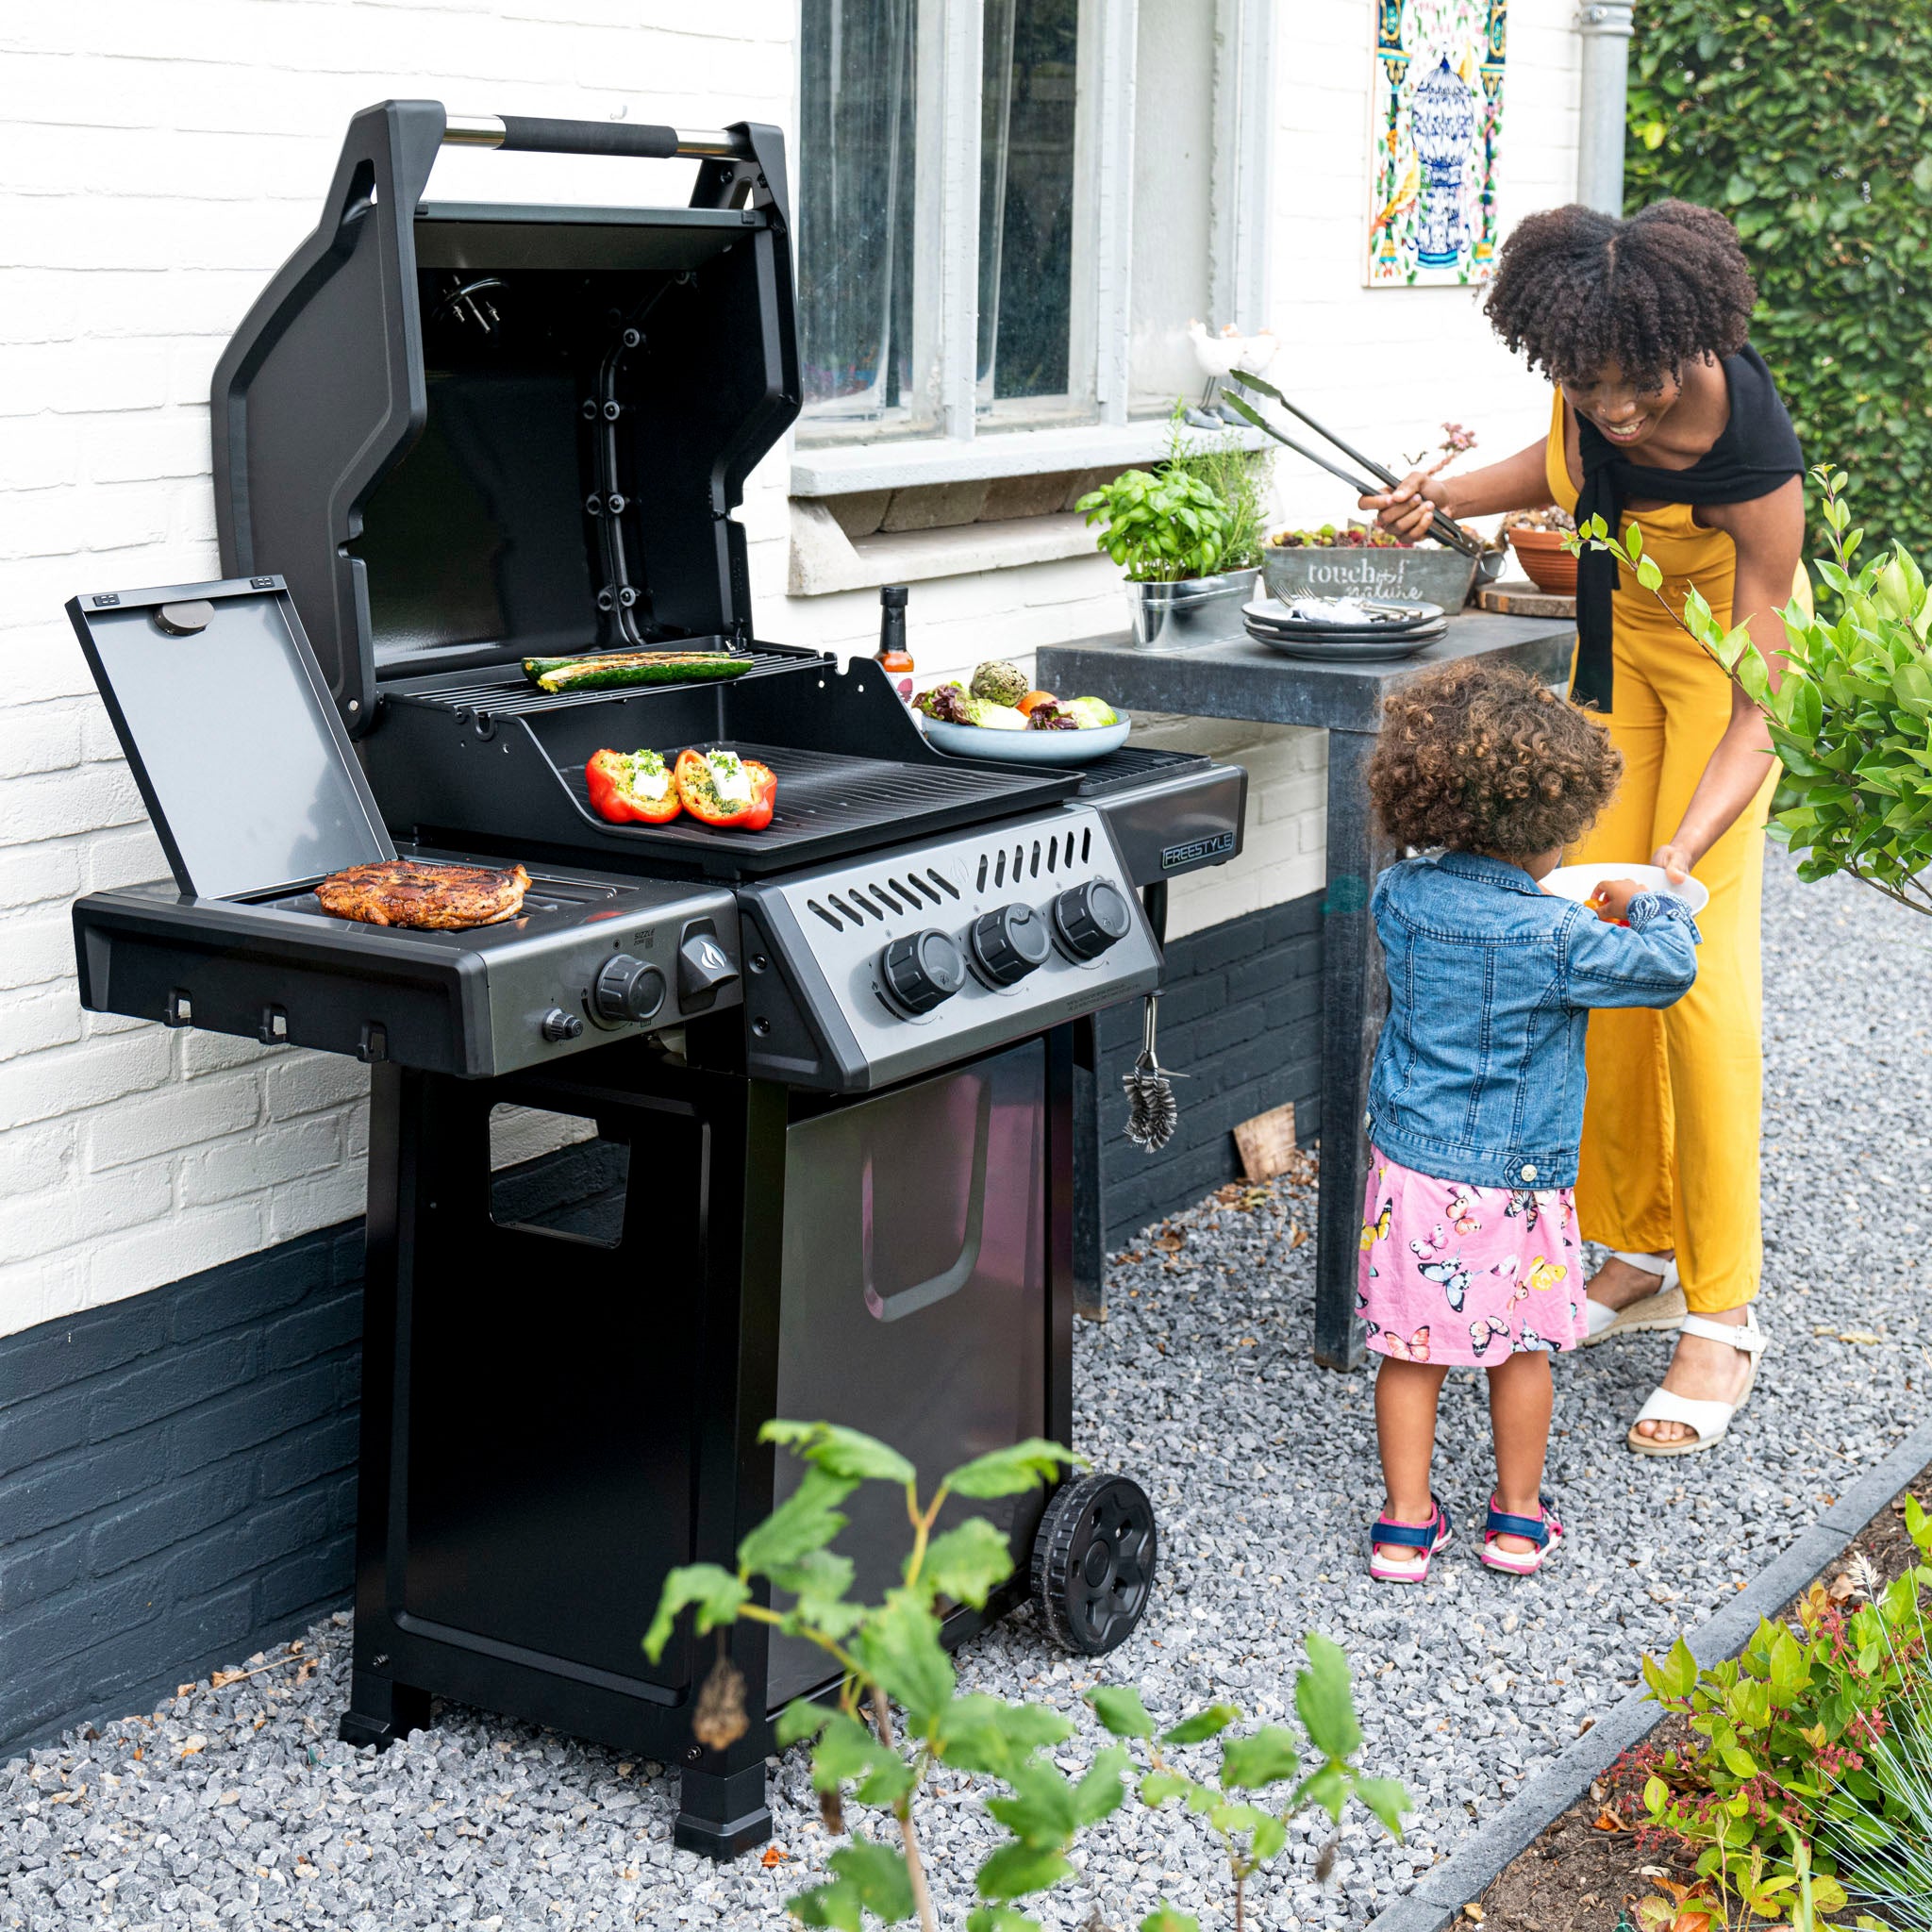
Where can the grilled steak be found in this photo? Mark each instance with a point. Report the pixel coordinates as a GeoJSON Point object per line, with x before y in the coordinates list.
{"type": "Point", "coordinates": [410, 891]}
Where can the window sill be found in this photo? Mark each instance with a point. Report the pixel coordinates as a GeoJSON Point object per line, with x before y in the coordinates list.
{"type": "Point", "coordinates": [825, 560]}
{"type": "Point", "coordinates": [846, 468]}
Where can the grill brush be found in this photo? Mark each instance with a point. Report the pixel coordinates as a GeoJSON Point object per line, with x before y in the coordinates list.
{"type": "Point", "coordinates": [1153, 1113]}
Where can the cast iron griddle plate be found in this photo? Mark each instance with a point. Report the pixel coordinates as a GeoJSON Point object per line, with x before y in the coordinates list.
{"type": "Point", "coordinates": [831, 803]}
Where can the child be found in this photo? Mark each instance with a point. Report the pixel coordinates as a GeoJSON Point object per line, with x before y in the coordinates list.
{"type": "Point", "coordinates": [1476, 1098]}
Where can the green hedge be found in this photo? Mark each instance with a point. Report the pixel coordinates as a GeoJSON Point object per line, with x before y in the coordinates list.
{"type": "Point", "coordinates": [1807, 125]}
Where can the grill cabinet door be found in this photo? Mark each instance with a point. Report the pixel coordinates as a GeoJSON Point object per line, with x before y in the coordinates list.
{"type": "Point", "coordinates": [914, 1297]}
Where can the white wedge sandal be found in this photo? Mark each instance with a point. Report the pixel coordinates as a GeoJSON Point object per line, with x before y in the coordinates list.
{"type": "Point", "coordinates": [1711, 1420]}
{"type": "Point", "coordinates": [1663, 1308]}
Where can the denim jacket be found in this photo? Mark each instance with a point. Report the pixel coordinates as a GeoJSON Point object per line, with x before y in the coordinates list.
{"type": "Point", "coordinates": [1478, 1074]}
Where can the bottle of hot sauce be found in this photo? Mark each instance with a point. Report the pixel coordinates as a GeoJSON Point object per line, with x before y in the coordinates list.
{"type": "Point", "coordinates": [891, 654]}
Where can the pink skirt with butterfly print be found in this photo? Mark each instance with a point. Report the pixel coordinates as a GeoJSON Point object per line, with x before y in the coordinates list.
{"type": "Point", "coordinates": [1467, 1276]}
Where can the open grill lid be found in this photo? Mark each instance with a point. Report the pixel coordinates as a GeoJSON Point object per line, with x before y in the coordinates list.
{"type": "Point", "coordinates": [241, 757]}
{"type": "Point", "coordinates": [470, 434]}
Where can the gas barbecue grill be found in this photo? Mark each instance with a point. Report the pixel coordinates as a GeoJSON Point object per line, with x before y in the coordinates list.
{"type": "Point", "coordinates": [835, 1057]}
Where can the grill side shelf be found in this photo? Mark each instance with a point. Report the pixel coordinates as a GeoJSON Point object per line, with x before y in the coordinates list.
{"type": "Point", "coordinates": [374, 995]}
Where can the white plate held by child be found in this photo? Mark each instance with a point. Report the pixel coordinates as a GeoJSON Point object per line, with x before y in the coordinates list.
{"type": "Point", "coordinates": [1578, 882]}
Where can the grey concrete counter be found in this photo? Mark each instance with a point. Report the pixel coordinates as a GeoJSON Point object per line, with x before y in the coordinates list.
{"type": "Point", "coordinates": [1247, 680]}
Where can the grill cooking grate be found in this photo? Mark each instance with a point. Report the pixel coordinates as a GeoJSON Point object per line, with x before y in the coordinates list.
{"type": "Point", "coordinates": [500, 694]}
{"type": "Point", "coordinates": [831, 801]}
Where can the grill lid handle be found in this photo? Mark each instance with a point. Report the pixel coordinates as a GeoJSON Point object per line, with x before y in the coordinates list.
{"type": "Point", "coordinates": [536, 134]}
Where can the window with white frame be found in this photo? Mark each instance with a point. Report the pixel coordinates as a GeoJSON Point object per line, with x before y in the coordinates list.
{"type": "Point", "coordinates": [1010, 210]}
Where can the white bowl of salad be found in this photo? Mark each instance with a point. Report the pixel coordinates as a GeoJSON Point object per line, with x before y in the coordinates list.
{"type": "Point", "coordinates": [995, 714]}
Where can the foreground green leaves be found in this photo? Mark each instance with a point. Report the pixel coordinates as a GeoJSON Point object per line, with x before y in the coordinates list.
{"type": "Point", "coordinates": [1800, 1771]}
{"type": "Point", "coordinates": [1850, 718]}
{"type": "Point", "coordinates": [889, 1655]}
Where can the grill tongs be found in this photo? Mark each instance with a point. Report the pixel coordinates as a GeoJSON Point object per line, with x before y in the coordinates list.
{"type": "Point", "coordinates": [1441, 528]}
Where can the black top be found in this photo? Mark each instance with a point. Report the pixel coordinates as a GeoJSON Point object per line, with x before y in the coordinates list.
{"type": "Point", "coordinates": [1754, 454]}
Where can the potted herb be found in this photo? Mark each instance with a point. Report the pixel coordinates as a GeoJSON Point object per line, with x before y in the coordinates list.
{"type": "Point", "coordinates": [1188, 535]}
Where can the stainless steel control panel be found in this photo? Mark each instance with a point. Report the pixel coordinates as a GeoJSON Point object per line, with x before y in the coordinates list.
{"type": "Point", "coordinates": [910, 960]}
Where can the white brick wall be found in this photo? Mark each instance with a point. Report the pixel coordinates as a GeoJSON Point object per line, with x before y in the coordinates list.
{"type": "Point", "coordinates": [156, 163]}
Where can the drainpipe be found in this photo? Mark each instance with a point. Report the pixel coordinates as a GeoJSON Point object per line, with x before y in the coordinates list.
{"type": "Point", "coordinates": [1605, 25]}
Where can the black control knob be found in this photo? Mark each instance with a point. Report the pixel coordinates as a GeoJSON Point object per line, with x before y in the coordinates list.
{"type": "Point", "coordinates": [626, 989]}
{"type": "Point", "coordinates": [920, 969]}
{"type": "Point", "coordinates": [557, 1025]}
{"type": "Point", "coordinates": [1090, 918]}
{"type": "Point", "coordinates": [1009, 943]}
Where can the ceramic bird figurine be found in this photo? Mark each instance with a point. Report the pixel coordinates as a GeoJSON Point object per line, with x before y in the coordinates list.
{"type": "Point", "coordinates": [1220, 354]}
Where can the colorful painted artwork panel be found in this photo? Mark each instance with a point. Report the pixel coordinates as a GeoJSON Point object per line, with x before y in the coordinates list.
{"type": "Point", "coordinates": [1437, 122]}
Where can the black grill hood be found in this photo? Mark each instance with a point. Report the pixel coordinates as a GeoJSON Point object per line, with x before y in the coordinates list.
{"type": "Point", "coordinates": [409, 424]}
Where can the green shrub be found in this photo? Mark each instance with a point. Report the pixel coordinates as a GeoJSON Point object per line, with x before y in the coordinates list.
{"type": "Point", "coordinates": [889, 1655]}
{"type": "Point", "coordinates": [1779, 1787]}
{"type": "Point", "coordinates": [1851, 722]}
{"type": "Point", "coordinates": [1809, 124]}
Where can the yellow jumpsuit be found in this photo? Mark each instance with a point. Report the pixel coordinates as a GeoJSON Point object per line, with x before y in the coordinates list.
{"type": "Point", "coordinates": [1670, 1155]}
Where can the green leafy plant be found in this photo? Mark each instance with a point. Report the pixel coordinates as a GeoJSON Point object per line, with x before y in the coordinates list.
{"type": "Point", "coordinates": [1784, 1787]}
{"type": "Point", "coordinates": [889, 1656]}
{"type": "Point", "coordinates": [1160, 527]}
{"type": "Point", "coordinates": [1809, 124]}
{"type": "Point", "coordinates": [1239, 478]}
{"type": "Point", "coordinates": [1250, 1833]}
{"type": "Point", "coordinates": [1851, 722]}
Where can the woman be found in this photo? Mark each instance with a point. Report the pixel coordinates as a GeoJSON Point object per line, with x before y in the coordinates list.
{"type": "Point", "coordinates": [1664, 417]}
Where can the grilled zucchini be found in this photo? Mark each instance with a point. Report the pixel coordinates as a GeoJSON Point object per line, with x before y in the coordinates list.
{"type": "Point", "coordinates": [613, 668]}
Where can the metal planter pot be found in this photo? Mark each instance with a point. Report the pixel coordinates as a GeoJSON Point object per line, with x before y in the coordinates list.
{"type": "Point", "coordinates": [1202, 610]}
{"type": "Point", "coordinates": [1409, 575]}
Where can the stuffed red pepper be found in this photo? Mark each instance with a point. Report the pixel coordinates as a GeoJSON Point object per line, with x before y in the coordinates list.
{"type": "Point", "coordinates": [631, 788]}
{"type": "Point", "coordinates": [723, 789]}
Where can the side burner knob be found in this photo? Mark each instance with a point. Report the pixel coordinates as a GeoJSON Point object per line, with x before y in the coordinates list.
{"type": "Point", "coordinates": [626, 989]}
{"type": "Point", "coordinates": [1009, 943]}
{"type": "Point", "coordinates": [558, 1026]}
{"type": "Point", "coordinates": [1092, 917]}
{"type": "Point", "coordinates": [920, 969]}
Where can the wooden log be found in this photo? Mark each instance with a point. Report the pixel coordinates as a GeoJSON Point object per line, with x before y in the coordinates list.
{"type": "Point", "coordinates": [1519, 597]}
{"type": "Point", "coordinates": [1267, 1144]}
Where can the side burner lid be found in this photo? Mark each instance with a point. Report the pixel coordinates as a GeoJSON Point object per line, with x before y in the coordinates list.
{"type": "Point", "coordinates": [235, 743]}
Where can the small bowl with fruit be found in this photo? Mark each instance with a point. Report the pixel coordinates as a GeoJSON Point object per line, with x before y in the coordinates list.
{"type": "Point", "coordinates": [996, 714]}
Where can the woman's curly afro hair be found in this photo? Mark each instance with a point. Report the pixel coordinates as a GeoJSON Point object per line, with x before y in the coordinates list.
{"type": "Point", "coordinates": [1576, 289]}
{"type": "Point", "coordinates": [1483, 758]}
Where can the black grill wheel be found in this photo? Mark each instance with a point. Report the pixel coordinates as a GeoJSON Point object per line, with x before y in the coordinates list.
{"type": "Point", "coordinates": [1093, 1562]}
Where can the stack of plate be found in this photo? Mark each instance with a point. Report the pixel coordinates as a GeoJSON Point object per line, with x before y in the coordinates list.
{"type": "Point", "coordinates": [1343, 629]}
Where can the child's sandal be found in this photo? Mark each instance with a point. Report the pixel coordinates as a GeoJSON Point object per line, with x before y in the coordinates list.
{"type": "Point", "coordinates": [1543, 1530]}
{"type": "Point", "coordinates": [1425, 1536]}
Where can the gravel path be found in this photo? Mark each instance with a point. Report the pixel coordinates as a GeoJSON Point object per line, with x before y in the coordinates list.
{"type": "Point", "coordinates": [242, 1809]}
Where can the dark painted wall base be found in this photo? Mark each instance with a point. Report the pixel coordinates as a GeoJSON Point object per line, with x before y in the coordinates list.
{"type": "Point", "coordinates": [1241, 1016]}
{"type": "Point", "coordinates": [178, 1481]}
{"type": "Point", "coordinates": [177, 1471]}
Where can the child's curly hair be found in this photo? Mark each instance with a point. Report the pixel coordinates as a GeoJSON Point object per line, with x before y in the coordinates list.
{"type": "Point", "coordinates": [1483, 758]}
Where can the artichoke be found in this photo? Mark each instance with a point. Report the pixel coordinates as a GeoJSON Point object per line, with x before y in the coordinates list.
{"type": "Point", "coordinates": [999, 683]}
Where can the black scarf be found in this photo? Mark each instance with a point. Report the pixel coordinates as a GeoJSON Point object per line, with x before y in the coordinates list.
{"type": "Point", "coordinates": [1756, 453]}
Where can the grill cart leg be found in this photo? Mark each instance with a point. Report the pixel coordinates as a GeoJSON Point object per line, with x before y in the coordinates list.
{"type": "Point", "coordinates": [381, 1713]}
{"type": "Point", "coordinates": [722, 1814]}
